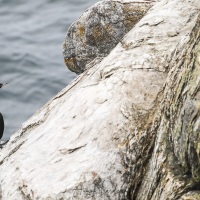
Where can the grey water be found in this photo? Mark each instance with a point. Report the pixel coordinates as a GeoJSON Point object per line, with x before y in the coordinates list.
{"type": "Point", "coordinates": [31, 38]}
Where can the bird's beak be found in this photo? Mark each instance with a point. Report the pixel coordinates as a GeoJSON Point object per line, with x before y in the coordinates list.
{"type": "Point", "coordinates": [2, 84]}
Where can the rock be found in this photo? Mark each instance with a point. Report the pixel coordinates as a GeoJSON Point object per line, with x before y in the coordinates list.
{"type": "Point", "coordinates": [126, 128]}
{"type": "Point", "coordinates": [99, 30]}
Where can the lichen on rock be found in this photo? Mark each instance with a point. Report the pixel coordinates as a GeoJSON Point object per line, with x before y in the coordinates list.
{"type": "Point", "coordinates": [99, 30]}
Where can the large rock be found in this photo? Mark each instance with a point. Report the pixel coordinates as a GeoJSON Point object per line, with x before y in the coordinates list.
{"type": "Point", "coordinates": [99, 30]}
{"type": "Point", "coordinates": [127, 128]}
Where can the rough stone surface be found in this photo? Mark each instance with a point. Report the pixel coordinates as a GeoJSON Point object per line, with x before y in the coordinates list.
{"type": "Point", "coordinates": [127, 128]}
{"type": "Point", "coordinates": [99, 30]}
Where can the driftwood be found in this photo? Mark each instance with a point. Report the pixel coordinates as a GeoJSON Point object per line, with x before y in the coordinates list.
{"type": "Point", "coordinates": [126, 128]}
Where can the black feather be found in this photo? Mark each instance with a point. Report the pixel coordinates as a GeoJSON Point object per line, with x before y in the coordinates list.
{"type": "Point", "coordinates": [1, 125]}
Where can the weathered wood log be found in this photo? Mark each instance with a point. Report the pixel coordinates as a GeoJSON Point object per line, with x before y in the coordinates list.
{"type": "Point", "coordinates": [127, 128]}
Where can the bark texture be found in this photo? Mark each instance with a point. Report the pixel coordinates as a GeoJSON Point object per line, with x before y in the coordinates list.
{"type": "Point", "coordinates": [127, 128]}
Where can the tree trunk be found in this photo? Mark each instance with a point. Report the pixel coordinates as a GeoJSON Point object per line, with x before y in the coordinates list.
{"type": "Point", "coordinates": [126, 128]}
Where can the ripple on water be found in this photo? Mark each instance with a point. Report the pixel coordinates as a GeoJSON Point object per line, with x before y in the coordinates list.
{"type": "Point", "coordinates": [31, 37]}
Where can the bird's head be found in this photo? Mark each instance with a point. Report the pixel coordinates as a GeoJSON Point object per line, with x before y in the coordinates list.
{"type": "Point", "coordinates": [2, 84]}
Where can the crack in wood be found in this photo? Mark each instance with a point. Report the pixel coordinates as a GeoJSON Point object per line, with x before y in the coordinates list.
{"type": "Point", "coordinates": [69, 151]}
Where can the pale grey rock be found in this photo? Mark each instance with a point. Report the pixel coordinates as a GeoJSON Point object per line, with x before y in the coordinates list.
{"type": "Point", "coordinates": [116, 131]}
{"type": "Point", "coordinates": [99, 30]}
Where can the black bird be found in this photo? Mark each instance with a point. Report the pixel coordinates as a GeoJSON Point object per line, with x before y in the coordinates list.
{"type": "Point", "coordinates": [2, 84]}
{"type": "Point", "coordinates": [1, 125]}
{"type": "Point", "coordinates": [1, 117]}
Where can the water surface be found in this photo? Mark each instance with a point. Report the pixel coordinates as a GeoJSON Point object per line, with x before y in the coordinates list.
{"type": "Point", "coordinates": [31, 37]}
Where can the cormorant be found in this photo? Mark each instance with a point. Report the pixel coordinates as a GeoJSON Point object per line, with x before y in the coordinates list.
{"type": "Point", "coordinates": [2, 84]}
{"type": "Point", "coordinates": [1, 117]}
{"type": "Point", "coordinates": [1, 125]}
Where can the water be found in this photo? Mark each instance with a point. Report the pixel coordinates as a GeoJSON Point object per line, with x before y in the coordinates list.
{"type": "Point", "coordinates": [31, 37]}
